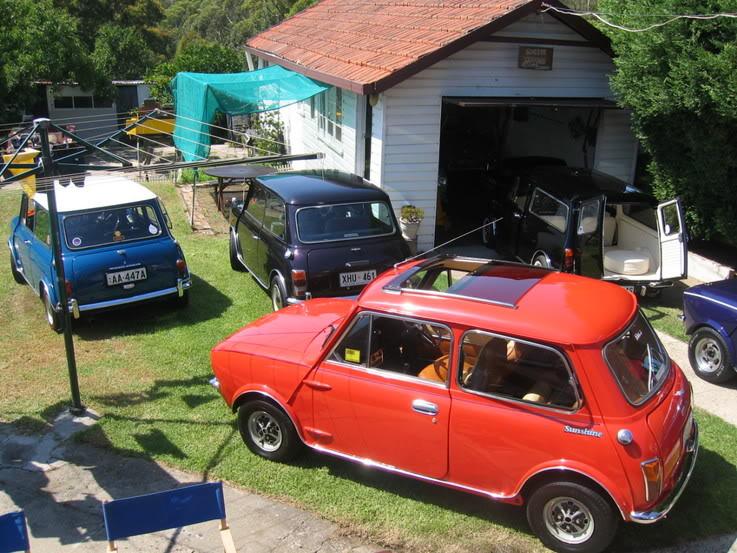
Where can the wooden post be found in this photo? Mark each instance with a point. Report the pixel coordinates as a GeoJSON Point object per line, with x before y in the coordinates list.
{"type": "Point", "coordinates": [226, 536]}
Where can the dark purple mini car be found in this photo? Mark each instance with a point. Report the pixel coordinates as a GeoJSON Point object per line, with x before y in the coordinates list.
{"type": "Point", "coordinates": [307, 234]}
{"type": "Point", "coordinates": [710, 315]}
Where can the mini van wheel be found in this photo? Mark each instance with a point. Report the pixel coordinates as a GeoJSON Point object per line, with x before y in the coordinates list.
{"type": "Point", "coordinates": [540, 260]}
{"type": "Point", "coordinates": [572, 518]}
{"type": "Point", "coordinates": [488, 233]}
{"type": "Point", "coordinates": [52, 317]}
{"type": "Point", "coordinates": [16, 273]}
{"type": "Point", "coordinates": [267, 431]}
{"type": "Point", "coordinates": [235, 263]}
{"type": "Point", "coordinates": [278, 293]}
{"type": "Point", "coordinates": [709, 356]}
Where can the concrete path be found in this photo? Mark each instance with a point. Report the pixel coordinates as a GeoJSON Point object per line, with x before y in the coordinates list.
{"type": "Point", "coordinates": [61, 486]}
{"type": "Point", "coordinates": [720, 400]}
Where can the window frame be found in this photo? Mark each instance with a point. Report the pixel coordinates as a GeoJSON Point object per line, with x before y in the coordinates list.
{"type": "Point", "coordinates": [566, 363]}
{"type": "Point", "coordinates": [143, 204]}
{"type": "Point", "coordinates": [284, 215]}
{"type": "Point", "coordinates": [384, 373]}
{"type": "Point", "coordinates": [668, 362]}
{"type": "Point", "coordinates": [542, 217]}
{"type": "Point", "coordinates": [38, 208]}
{"type": "Point", "coordinates": [299, 238]}
{"type": "Point", "coordinates": [255, 187]}
{"type": "Point", "coordinates": [327, 108]}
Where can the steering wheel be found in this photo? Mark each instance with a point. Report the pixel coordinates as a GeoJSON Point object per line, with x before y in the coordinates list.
{"type": "Point", "coordinates": [441, 367]}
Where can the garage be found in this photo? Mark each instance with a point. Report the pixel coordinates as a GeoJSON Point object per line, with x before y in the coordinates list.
{"type": "Point", "coordinates": [484, 142]}
{"type": "Point", "coordinates": [430, 113]}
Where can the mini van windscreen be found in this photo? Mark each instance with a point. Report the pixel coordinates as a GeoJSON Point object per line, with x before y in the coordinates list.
{"type": "Point", "coordinates": [111, 225]}
{"type": "Point", "coordinates": [638, 361]}
{"type": "Point", "coordinates": [329, 223]}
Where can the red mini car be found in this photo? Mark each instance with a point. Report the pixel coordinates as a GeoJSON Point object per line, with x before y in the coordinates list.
{"type": "Point", "coordinates": [516, 383]}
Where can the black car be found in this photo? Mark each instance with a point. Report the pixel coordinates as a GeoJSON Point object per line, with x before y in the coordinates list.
{"type": "Point", "coordinates": [309, 234]}
{"type": "Point", "coordinates": [589, 223]}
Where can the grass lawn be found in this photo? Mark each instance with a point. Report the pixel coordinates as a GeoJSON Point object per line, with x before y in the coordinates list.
{"type": "Point", "coordinates": [146, 369]}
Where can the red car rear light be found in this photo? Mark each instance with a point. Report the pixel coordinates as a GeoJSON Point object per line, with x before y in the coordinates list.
{"type": "Point", "coordinates": [652, 472]}
{"type": "Point", "coordinates": [299, 281]}
{"type": "Point", "coordinates": [568, 260]}
{"type": "Point", "coordinates": [69, 289]}
{"type": "Point", "coordinates": [181, 265]}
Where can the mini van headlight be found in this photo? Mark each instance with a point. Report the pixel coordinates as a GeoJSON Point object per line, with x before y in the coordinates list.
{"type": "Point", "coordinates": [652, 472]}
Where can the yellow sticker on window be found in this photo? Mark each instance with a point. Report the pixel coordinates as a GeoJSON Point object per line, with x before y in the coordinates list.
{"type": "Point", "coordinates": [352, 355]}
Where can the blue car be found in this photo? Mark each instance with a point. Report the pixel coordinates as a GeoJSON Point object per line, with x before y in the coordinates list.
{"type": "Point", "coordinates": [710, 315]}
{"type": "Point", "coordinates": [116, 244]}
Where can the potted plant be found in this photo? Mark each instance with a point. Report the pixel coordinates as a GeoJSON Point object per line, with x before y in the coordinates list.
{"type": "Point", "coordinates": [410, 218]}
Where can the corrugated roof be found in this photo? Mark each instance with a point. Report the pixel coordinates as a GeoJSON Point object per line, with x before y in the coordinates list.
{"type": "Point", "coordinates": [370, 45]}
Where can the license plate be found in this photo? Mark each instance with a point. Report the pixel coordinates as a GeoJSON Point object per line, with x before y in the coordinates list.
{"type": "Point", "coordinates": [356, 278]}
{"type": "Point", "coordinates": [124, 277]}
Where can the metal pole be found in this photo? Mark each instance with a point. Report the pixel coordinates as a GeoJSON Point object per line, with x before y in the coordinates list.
{"type": "Point", "coordinates": [77, 409]}
{"type": "Point", "coordinates": [194, 191]}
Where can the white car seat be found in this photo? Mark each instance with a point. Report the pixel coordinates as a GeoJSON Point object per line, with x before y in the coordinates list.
{"type": "Point", "coordinates": [627, 262]}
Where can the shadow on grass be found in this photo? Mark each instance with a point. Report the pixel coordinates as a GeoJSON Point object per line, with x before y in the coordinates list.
{"type": "Point", "coordinates": [162, 389]}
{"type": "Point", "coordinates": [464, 503]}
{"type": "Point", "coordinates": [205, 302]}
{"type": "Point", "coordinates": [706, 508]}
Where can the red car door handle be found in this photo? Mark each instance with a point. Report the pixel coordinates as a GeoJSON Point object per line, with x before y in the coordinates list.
{"type": "Point", "coordinates": [424, 407]}
{"type": "Point", "coordinates": [315, 385]}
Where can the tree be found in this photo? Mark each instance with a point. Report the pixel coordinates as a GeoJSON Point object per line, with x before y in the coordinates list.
{"type": "Point", "coordinates": [197, 55]}
{"type": "Point", "coordinates": [681, 84]}
{"type": "Point", "coordinates": [228, 22]}
{"type": "Point", "coordinates": [121, 53]}
{"type": "Point", "coordinates": [39, 42]}
{"type": "Point", "coordinates": [142, 15]}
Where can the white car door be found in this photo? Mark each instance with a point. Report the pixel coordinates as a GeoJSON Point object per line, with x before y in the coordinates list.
{"type": "Point", "coordinates": [673, 239]}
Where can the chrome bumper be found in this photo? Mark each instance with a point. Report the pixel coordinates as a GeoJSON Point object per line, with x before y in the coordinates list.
{"type": "Point", "coordinates": [215, 383]}
{"type": "Point", "coordinates": [182, 285]}
{"type": "Point", "coordinates": [663, 508]}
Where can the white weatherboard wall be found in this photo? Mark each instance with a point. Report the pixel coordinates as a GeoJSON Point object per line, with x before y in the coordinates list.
{"type": "Point", "coordinates": [302, 136]}
{"type": "Point", "coordinates": [616, 145]}
{"type": "Point", "coordinates": [412, 110]}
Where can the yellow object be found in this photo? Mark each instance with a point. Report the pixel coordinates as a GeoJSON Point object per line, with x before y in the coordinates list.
{"type": "Point", "coordinates": [352, 355]}
{"type": "Point", "coordinates": [151, 126]}
{"type": "Point", "coordinates": [28, 155]}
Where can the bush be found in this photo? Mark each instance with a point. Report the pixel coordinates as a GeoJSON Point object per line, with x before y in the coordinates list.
{"type": "Point", "coordinates": [679, 80]}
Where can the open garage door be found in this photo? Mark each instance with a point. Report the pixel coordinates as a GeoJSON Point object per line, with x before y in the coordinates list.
{"type": "Point", "coordinates": [484, 141]}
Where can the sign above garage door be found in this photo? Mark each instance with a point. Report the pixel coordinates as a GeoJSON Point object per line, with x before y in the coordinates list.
{"type": "Point", "coordinates": [536, 58]}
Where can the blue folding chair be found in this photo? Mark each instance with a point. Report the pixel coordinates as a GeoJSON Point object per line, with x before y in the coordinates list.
{"type": "Point", "coordinates": [14, 533]}
{"type": "Point", "coordinates": [175, 508]}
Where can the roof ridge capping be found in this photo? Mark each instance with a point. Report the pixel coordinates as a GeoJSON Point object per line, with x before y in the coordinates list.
{"type": "Point", "coordinates": [490, 16]}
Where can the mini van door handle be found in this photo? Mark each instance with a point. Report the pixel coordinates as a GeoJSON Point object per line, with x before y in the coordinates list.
{"type": "Point", "coordinates": [424, 407]}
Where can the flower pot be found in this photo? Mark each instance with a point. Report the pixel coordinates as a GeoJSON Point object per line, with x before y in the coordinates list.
{"type": "Point", "coordinates": [409, 230]}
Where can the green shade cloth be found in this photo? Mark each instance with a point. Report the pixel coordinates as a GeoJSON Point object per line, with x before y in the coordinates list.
{"type": "Point", "coordinates": [198, 96]}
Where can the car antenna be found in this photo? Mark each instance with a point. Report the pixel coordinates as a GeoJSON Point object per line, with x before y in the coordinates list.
{"type": "Point", "coordinates": [495, 221]}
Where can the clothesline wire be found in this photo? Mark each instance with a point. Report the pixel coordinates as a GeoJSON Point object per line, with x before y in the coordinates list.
{"type": "Point", "coordinates": [600, 17]}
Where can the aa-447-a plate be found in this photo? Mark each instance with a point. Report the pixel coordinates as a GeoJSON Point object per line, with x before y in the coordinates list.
{"type": "Point", "coordinates": [356, 278]}
{"type": "Point", "coordinates": [124, 277]}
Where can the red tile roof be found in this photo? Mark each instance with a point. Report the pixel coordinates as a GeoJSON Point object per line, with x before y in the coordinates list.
{"type": "Point", "coordinates": [370, 45]}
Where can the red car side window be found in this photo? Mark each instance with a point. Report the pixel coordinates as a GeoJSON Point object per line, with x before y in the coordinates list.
{"type": "Point", "coordinates": [516, 370]}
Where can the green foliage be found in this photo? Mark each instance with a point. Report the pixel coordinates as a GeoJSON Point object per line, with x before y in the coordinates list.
{"type": "Point", "coordinates": [39, 42]}
{"type": "Point", "coordinates": [228, 22]}
{"type": "Point", "coordinates": [142, 15]}
{"type": "Point", "coordinates": [300, 5]}
{"type": "Point", "coordinates": [270, 130]}
{"type": "Point", "coordinates": [680, 81]}
{"type": "Point", "coordinates": [411, 214]}
{"type": "Point", "coordinates": [121, 52]}
{"type": "Point", "coordinates": [199, 56]}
